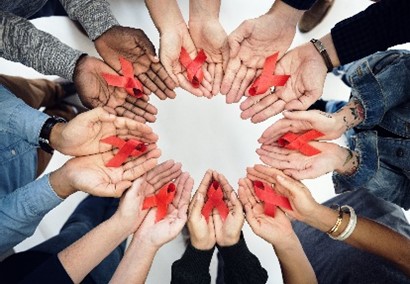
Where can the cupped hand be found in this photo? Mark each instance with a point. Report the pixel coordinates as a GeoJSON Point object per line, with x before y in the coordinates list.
{"type": "Point", "coordinates": [89, 173]}
{"type": "Point", "coordinates": [210, 36]}
{"type": "Point", "coordinates": [157, 234]}
{"type": "Point", "coordinates": [299, 166]}
{"type": "Point", "coordinates": [275, 230]}
{"type": "Point", "coordinates": [302, 121]}
{"type": "Point", "coordinates": [172, 40]}
{"type": "Point", "coordinates": [82, 135]}
{"type": "Point", "coordinates": [94, 90]}
{"type": "Point", "coordinates": [134, 45]}
{"type": "Point", "coordinates": [250, 44]}
{"type": "Point", "coordinates": [228, 232]}
{"type": "Point", "coordinates": [202, 233]}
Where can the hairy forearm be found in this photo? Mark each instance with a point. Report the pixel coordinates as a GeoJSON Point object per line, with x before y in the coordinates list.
{"type": "Point", "coordinates": [294, 263]}
{"type": "Point", "coordinates": [82, 256]}
{"type": "Point", "coordinates": [165, 14]}
{"type": "Point", "coordinates": [136, 263]}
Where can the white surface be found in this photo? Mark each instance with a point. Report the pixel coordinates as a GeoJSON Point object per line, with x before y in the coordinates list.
{"type": "Point", "coordinates": [198, 132]}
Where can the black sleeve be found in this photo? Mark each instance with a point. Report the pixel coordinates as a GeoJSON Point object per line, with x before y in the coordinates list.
{"type": "Point", "coordinates": [300, 4]}
{"type": "Point", "coordinates": [241, 266]}
{"type": "Point", "coordinates": [193, 267]}
{"type": "Point", "coordinates": [380, 26]}
{"type": "Point", "coordinates": [49, 272]}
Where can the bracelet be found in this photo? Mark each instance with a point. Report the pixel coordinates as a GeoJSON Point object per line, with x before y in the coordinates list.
{"type": "Point", "coordinates": [44, 138]}
{"type": "Point", "coordinates": [338, 221]}
{"type": "Point", "coordinates": [350, 226]}
{"type": "Point", "coordinates": [323, 52]}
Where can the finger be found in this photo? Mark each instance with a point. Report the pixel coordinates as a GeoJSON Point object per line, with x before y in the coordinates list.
{"type": "Point", "coordinates": [308, 173]}
{"type": "Point", "coordinates": [234, 91]}
{"type": "Point", "coordinates": [237, 205]}
{"type": "Point", "coordinates": [250, 217]}
{"type": "Point", "coordinates": [264, 102]}
{"type": "Point", "coordinates": [269, 112]}
{"type": "Point", "coordinates": [275, 131]}
{"type": "Point", "coordinates": [138, 170]}
{"type": "Point", "coordinates": [250, 75]}
{"type": "Point", "coordinates": [170, 66]}
{"type": "Point", "coordinates": [98, 114]}
{"type": "Point", "coordinates": [217, 79]}
{"type": "Point", "coordinates": [185, 182]}
{"type": "Point", "coordinates": [226, 187]}
{"type": "Point", "coordinates": [237, 37]}
{"type": "Point", "coordinates": [211, 70]}
{"type": "Point", "coordinates": [232, 69]}
{"type": "Point", "coordinates": [169, 172]}
{"type": "Point", "coordinates": [186, 85]}
{"type": "Point", "coordinates": [204, 185]}
{"type": "Point", "coordinates": [196, 207]}
{"type": "Point", "coordinates": [160, 71]}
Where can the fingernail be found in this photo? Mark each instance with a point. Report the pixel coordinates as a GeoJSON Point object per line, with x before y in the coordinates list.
{"type": "Point", "coordinates": [280, 178]}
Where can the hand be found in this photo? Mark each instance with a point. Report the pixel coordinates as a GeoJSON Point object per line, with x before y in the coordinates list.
{"type": "Point", "coordinates": [307, 77]}
{"type": "Point", "coordinates": [94, 91]}
{"type": "Point", "coordinates": [135, 46]}
{"type": "Point", "coordinates": [295, 164]}
{"type": "Point", "coordinates": [299, 196]}
{"type": "Point", "coordinates": [275, 230]}
{"type": "Point", "coordinates": [157, 234]}
{"type": "Point", "coordinates": [172, 39]}
{"type": "Point", "coordinates": [302, 121]}
{"type": "Point", "coordinates": [82, 135]}
{"type": "Point", "coordinates": [228, 232]}
{"type": "Point", "coordinates": [252, 42]}
{"type": "Point", "coordinates": [202, 233]}
{"type": "Point", "coordinates": [89, 173]}
{"type": "Point", "coordinates": [210, 36]}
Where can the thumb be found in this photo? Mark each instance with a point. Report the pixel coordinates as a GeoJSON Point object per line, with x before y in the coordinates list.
{"type": "Point", "coordinates": [197, 206]}
{"type": "Point", "coordinates": [236, 38]}
{"type": "Point", "coordinates": [298, 115]}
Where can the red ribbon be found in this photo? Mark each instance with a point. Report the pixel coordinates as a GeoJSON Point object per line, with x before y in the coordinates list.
{"type": "Point", "coordinates": [128, 81]}
{"type": "Point", "coordinates": [270, 198]}
{"type": "Point", "coordinates": [267, 79]}
{"type": "Point", "coordinates": [161, 200]}
{"type": "Point", "coordinates": [298, 142]}
{"type": "Point", "coordinates": [215, 200]}
{"type": "Point", "coordinates": [128, 148]}
{"type": "Point", "coordinates": [193, 67]}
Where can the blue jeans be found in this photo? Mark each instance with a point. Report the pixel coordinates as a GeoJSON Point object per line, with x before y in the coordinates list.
{"type": "Point", "coordinates": [89, 213]}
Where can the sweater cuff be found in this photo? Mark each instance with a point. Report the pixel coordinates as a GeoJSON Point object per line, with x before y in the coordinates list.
{"type": "Point", "coordinates": [300, 4]}
{"type": "Point", "coordinates": [197, 260]}
{"type": "Point", "coordinates": [234, 253]}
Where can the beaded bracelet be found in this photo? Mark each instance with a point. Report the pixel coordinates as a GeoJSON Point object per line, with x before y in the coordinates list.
{"type": "Point", "coordinates": [350, 226]}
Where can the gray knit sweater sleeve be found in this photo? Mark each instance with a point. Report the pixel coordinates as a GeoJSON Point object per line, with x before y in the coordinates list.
{"type": "Point", "coordinates": [94, 15]}
{"type": "Point", "coordinates": [20, 41]}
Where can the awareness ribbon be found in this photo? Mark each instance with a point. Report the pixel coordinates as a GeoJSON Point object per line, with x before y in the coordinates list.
{"type": "Point", "coordinates": [128, 81]}
{"type": "Point", "coordinates": [193, 67]}
{"type": "Point", "coordinates": [128, 148]}
{"type": "Point", "coordinates": [270, 198]}
{"type": "Point", "coordinates": [215, 200]}
{"type": "Point", "coordinates": [161, 200]}
{"type": "Point", "coordinates": [267, 79]}
{"type": "Point", "coordinates": [298, 142]}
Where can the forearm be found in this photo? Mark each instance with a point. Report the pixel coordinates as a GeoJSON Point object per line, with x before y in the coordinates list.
{"type": "Point", "coordinates": [289, 15]}
{"type": "Point", "coordinates": [294, 263]}
{"type": "Point", "coordinates": [22, 42]}
{"type": "Point", "coordinates": [204, 10]}
{"type": "Point", "coordinates": [94, 15]}
{"type": "Point", "coordinates": [367, 235]}
{"type": "Point", "coordinates": [136, 263]}
{"type": "Point", "coordinates": [82, 256]}
{"type": "Point", "coordinates": [23, 209]}
{"type": "Point", "coordinates": [165, 14]}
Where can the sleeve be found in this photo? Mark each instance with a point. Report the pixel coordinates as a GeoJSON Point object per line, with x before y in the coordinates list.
{"type": "Point", "coordinates": [22, 210]}
{"type": "Point", "coordinates": [300, 4]}
{"type": "Point", "coordinates": [49, 272]}
{"type": "Point", "coordinates": [193, 267]}
{"type": "Point", "coordinates": [21, 42]}
{"type": "Point", "coordinates": [20, 119]}
{"type": "Point", "coordinates": [94, 15]}
{"type": "Point", "coordinates": [365, 144]}
{"type": "Point", "coordinates": [381, 25]}
{"type": "Point", "coordinates": [241, 266]}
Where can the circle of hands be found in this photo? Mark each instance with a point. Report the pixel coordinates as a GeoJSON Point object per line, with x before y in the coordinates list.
{"type": "Point", "coordinates": [233, 62]}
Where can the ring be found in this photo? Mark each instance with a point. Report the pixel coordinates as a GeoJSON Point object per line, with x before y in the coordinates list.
{"type": "Point", "coordinates": [273, 185]}
{"type": "Point", "coordinates": [272, 90]}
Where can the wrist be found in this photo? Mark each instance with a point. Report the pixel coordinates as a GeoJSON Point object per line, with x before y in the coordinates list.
{"type": "Point", "coordinates": [323, 218]}
{"type": "Point", "coordinates": [285, 13]}
{"type": "Point", "coordinates": [228, 241]}
{"type": "Point", "coordinates": [201, 245]}
{"type": "Point", "coordinates": [59, 181]}
{"type": "Point", "coordinates": [56, 137]}
{"type": "Point", "coordinates": [327, 42]}
{"type": "Point", "coordinates": [349, 164]}
{"type": "Point", "coordinates": [204, 10]}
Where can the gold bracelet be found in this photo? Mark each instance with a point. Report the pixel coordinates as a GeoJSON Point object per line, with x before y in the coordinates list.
{"type": "Point", "coordinates": [338, 222]}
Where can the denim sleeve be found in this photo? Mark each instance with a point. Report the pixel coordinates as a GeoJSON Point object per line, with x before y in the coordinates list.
{"type": "Point", "coordinates": [380, 82]}
{"type": "Point", "coordinates": [22, 210]}
{"type": "Point", "coordinates": [365, 143]}
{"type": "Point", "coordinates": [94, 15]}
{"type": "Point", "coordinates": [22, 42]}
{"type": "Point", "coordinates": [18, 118]}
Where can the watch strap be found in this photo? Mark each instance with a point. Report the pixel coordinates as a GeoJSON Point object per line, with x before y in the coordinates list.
{"type": "Point", "coordinates": [323, 52]}
{"type": "Point", "coordinates": [44, 139]}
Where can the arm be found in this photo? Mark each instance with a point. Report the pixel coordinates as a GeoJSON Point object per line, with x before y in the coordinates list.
{"type": "Point", "coordinates": [278, 231]}
{"type": "Point", "coordinates": [368, 235]}
{"type": "Point", "coordinates": [20, 41]}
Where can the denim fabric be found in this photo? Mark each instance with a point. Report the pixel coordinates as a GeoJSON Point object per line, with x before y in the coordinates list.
{"type": "Point", "coordinates": [337, 262]}
{"type": "Point", "coordinates": [381, 82]}
{"type": "Point", "coordinates": [23, 201]}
